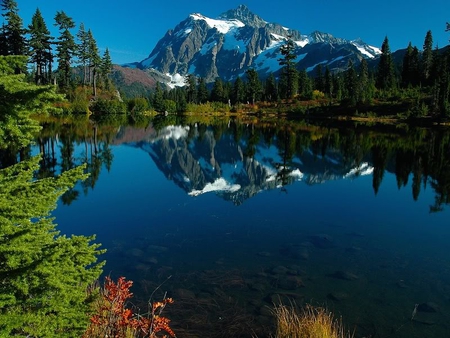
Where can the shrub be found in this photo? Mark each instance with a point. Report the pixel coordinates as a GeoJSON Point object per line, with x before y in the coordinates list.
{"type": "Point", "coordinates": [312, 322]}
{"type": "Point", "coordinates": [109, 106]}
{"type": "Point", "coordinates": [138, 105]}
{"type": "Point", "coordinates": [112, 319]}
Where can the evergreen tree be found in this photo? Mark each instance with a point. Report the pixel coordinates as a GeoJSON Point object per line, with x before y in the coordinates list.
{"type": "Point", "coordinates": [271, 90]}
{"type": "Point", "coordinates": [40, 48]}
{"type": "Point", "coordinates": [82, 51]}
{"type": "Point", "coordinates": [3, 41]}
{"type": "Point", "coordinates": [238, 91]}
{"type": "Point", "coordinates": [427, 58]}
{"type": "Point", "coordinates": [19, 100]}
{"type": "Point", "coordinates": [65, 47]}
{"type": "Point", "coordinates": [158, 99]}
{"type": "Point", "coordinates": [253, 86]}
{"type": "Point", "coordinates": [319, 82]}
{"type": "Point", "coordinates": [328, 83]}
{"type": "Point", "coordinates": [217, 91]}
{"type": "Point", "coordinates": [191, 88]}
{"type": "Point", "coordinates": [94, 61]}
{"type": "Point", "coordinates": [351, 85]}
{"type": "Point", "coordinates": [385, 74]}
{"type": "Point", "coordinates": [44, 275]}
{"type": "Point", "coordinates": [13, 31]}
{"type": "Point", "coordinates": [305, 87]}
{"type": "Point", "coordinates": [106, 68]}
{"type": "Point", "coordinates": [410, 69]}
{"type": "Point", "coordinates": [288, 71]}
{"type": "Point", "coordinates": [202, 91]}
{"type": "Point", "coordinates": [364, 83]}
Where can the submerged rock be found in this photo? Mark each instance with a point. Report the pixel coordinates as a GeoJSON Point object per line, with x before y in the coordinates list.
{"type": "Point", "coordinates": [344, 275]}
{"type": "Point", "coordinates": [428, 307]}
{"type": "Point", "coordinates": [337, 296]}
{"type": "Point", "coordinates": [322, 241]}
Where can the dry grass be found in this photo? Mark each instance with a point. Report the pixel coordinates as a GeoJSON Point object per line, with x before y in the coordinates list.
{"type": "Point", "coordinates": [310, 322]}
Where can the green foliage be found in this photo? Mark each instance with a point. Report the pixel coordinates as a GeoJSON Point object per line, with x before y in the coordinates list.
{"type": "Point", "coordinates": [109, 106]}
{"type": "Point", "coordinates": [19, 100]}
{"type": "Point", "coordinates": [44, 276]}
{"type": "Point", "coordinates": [138, 105]}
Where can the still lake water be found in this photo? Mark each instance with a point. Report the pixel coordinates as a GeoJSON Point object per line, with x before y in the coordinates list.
{"type": "Point", "coordinates": [232, 218]}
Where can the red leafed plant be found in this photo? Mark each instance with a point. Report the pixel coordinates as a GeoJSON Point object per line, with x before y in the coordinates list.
{"type": "Point", "coordinates": [113, 319]}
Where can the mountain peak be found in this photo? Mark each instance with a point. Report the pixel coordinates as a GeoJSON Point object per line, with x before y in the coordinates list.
{"type": "Point", "coordinates": [243, 14]}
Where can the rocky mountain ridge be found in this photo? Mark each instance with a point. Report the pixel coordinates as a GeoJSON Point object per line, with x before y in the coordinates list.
{"type": "Point", "coordinates": [237, 40]}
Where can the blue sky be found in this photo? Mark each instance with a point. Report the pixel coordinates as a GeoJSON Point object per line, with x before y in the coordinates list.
{"type": "Point", "coordinates": [131, 29]}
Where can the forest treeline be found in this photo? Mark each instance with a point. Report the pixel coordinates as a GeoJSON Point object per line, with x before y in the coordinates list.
{"type": "Point", "coordinates": [418, 87]}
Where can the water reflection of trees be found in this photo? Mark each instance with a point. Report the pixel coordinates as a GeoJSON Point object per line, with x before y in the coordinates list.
{"type": "Point", "coordinates": [58, 144]}
{"type": "Point", "coordinates": [418, 157]}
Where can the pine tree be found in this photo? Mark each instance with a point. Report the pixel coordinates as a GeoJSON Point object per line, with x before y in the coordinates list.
{"type": "Point", "coordinates": [365, 93]}
{"type": "Point", "coordinates": [351, 85]}
{"type": "Point", "coordinates": [82, 51]}
{"type": "Point", "coordinates": [427, 58]}
{"type": "Point", "coordinates": [319, 82]}
{"type": "Point", "coordinates": [65, 47]}
{"type": "Point", "coordinates": [217, 91]}
{"type": "Point", "coordinates": [202, 91]}
{"type": "Point", "coordinates": [94, 61]}
{"type": "Point", "coordinates": [271, 90]}
{"type": "Point", "coordinates": [328, 83]}
{"type": "Point", "coordinates": [19, 100]}
{"type": "Point", "coordinates": [158, 99]}
{"type": "Point", "coordinates": [44, 275]}
{"type": "Point", "coordinates": [305, 86]}
{"type": "Point", "coordinates": [40, 48]}
{"type": "Point", "coordinates": [254, 88]}
{"type": "Point", "coordinates": [410, 69]}
{"type": "Point", "coordinates": [385, 74]}
{"type": "Point", "coordinates": [288, 71]}
{"type": "Point", "coordinates": [238, 91]}
{"type": "Point", "coordinates": [191, 88]}
{"type": "Point", "coordinates": [13, 31]}
{"type": "Point", "coordinates": [106, 68]}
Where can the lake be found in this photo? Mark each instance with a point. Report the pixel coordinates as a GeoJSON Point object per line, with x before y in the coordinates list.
{"type": "Point", "coordinates": [229, 217]}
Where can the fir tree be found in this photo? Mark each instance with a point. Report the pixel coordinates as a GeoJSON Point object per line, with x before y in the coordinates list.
{"type": "Point", "coordinates": [385, 72]}
{"type": "Point", "coordinates": [202, 91]}
{"type": "Point", "coordinates": [288, 71]}
{"type": "Point", "coordinates": [328, 83]}
{"type": "Point", "coordinates": [19, 100]}
{"type": "Point", "coordinates": [410, 67]}
{"type": "Point", "coordinates": [44, 275]}
{"type": "Point", "coordinates": [217, 91]}
{"type": "Point", "coordinates": [254, 87]}
{"type": "Point", "coordinates": [65, 46]}
{"type": "Point", "coordinates": [82, 51]}
{"type": "Point", "coordinates": [158, 99]}
{"type": "Point", "coordinates": [238, 91]}
{"type": "Point", "coordinates": [40, 48]}
{"type": "Point", "coordinates": [94, 61]}
{"type": "Point", "coordinates": [191, 88]}
{"type": "Point", "coordinates": [13, 31]}
{"type": "Point", "coordinates": [271, 90]}
{"type": "Point", "coordinates": [106, 68]}
{"type": "Point", "coordinates": [427, 58]}
{"type": "Point", "coordinates": [365, 92]}
{"type": "Point", "coordinates": [351, 85]}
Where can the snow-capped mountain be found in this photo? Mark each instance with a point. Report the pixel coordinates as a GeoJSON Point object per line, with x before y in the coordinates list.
{"type": "Point", "coordinates": [237, 40]}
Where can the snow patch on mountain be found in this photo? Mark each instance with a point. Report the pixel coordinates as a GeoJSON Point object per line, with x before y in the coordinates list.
{"type": "Point", "coordinates": [223, 26]}
{"type": "Point", "coordinates": [176, 80]}
{"type": "Point", "coordinates": [231, 42]}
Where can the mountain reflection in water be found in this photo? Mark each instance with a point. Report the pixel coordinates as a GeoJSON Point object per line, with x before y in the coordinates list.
{"type": "Point", "coordinates": [351, 218]}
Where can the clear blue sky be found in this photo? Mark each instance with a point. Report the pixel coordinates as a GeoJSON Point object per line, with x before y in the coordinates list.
{"type": "Point", "coordinates": [131, 29]}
